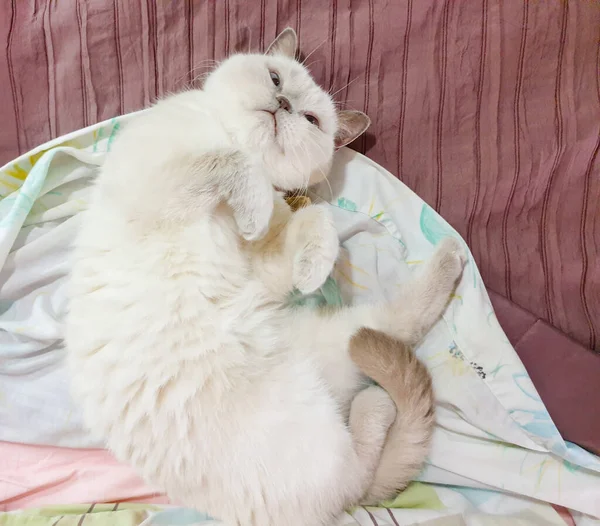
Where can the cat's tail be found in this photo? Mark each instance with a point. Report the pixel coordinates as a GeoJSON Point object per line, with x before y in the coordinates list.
{"type": "Point", "coordinates": [394, 366]}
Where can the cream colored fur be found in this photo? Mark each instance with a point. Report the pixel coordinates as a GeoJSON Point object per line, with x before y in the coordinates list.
{"type": "Point", "coordinates": [393, 365]}
{"type": "Point", "coordinates": [183, 353]}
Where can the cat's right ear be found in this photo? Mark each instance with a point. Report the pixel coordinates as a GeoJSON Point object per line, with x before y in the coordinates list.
{"type": "Point", "coordinates": [285, 44]}
{"type": "Point", "coordinates": [351, 124]}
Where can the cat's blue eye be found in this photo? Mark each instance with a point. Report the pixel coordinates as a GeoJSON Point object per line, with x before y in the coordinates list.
{"type": "Point", "coordinates": [275, 78]}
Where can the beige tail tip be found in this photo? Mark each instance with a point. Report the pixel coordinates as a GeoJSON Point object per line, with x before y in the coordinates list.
{"type": "Point", "coordinates": [375, 352]}
{"type": "Point", "coordinates": [395, 367]}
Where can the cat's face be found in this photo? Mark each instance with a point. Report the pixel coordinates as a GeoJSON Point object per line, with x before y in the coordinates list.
{"type": "Point", "coordinates": [271, 105]}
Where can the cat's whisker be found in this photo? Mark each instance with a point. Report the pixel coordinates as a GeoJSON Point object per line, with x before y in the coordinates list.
{"type": "Point", "coordinates": [330, 189]}
{"type": "Point", "coordinates": [191, 84]}
{"type": "Point", "coordinates": [325, 176]}
{"type": "Point", "coordinates": [343, 87]}
{"type": "Point", "coordinates": [306, 184]}
{"type": "Point", "coordinates": [313, 63]}
{"type": "Point", "coordinates": [203, 64]}
{"type": "Point", "coordinates": [200, 78]}
{"type": "Point", "coordinates": [318, 46]}
{"type": "Point", "coordinates": [296, 157]}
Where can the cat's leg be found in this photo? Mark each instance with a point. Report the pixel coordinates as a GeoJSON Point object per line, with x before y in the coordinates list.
{"type": "Point", "coordinates": [408, 318]}
{"type": "Point", "coordinates": [313, 243]}
{"type": "Point", "coordinates": [298, 252]}
{"type": "Point", "coordinates": [234, 177]}
{"type": "Point", "coordinates": [371, 415]}
{"type": "Point", "coordinates": [417, 307]}
{"type": "Point", "coordinates": [422, 301]}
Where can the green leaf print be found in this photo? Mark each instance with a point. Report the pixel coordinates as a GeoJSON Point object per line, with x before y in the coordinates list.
{"type": "Point", "coordinates": [328, 295]}
{"type": "Point", "coordinates": [434, 228]}
{"type": "Point", "coordinates": [346, 204]}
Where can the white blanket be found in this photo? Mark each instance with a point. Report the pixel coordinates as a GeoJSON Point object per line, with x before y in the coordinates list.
{"type": "Point", "coordinates": [494, 434]}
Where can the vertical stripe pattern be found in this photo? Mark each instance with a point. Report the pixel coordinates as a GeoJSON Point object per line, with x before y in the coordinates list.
{"type": "Point", "coordinates": [118, 55]}
{"type": "Point", "coordinates": [517, 149]}
{"type": "Point", "coordinates": [489, 110]}
{"type": "Point", "coordinates": [443, 58]}
{"type": "Point", "coordinates": [478, 137]}
{"type": "Point", "coordinates": [403, 87]}
{"type": "Point", "coordinates": [367, 73]}
{"type": "Point", "coordinates": [544, 223]}
{"type": "Point", "coordinates": [11, 74]}
{"type": "Point", "coordinates": [50, 74]}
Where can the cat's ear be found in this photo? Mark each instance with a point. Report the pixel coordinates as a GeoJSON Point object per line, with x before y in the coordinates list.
{"type": "Point", "coordinates": [351, 124]}
{"type": "Point", "coordinates": [285, 44]}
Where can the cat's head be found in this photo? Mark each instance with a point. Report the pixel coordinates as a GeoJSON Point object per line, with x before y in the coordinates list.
{"type": "Point", "coordinates": [271, 104]}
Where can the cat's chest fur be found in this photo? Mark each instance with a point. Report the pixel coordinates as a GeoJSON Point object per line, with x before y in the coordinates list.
{"type": "Point", "coordinates": [171, 338]}
{"type": "Point", "coordinates": [157, 322]}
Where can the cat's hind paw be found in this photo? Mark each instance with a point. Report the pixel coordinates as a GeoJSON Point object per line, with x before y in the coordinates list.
{"type": "Point", "coordinates": [448, 261]}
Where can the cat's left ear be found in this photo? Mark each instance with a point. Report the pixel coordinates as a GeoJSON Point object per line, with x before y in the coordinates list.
{"type": "Point", "coordinates": [285, 44]}
{"type": "Point", "coordinates": [351, 124]}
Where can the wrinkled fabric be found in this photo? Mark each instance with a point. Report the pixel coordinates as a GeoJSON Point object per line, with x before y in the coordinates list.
{"type": "Point", "coordinates": [493, 431]}
{"type": "Point", "coordinates": [488, 110]}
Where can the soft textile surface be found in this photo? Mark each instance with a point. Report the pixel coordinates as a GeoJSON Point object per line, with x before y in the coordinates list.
{"type": "Point", "coordinates": [90, 515]}
{"type": "Point", "coordinates": [493, 429]}
{"type": "Point", "coordinates": [97, 476]}
{"type": "Point", "coordinates": [489, 110]}
{"type": "Point", "coordinates": [566, 378]}
{"type": "Point", "coordinates": [33, 476]}
{"type": "Point", "coordinates": [463, 513]}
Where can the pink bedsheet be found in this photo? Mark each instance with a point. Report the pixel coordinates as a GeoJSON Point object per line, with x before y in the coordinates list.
{"type": "Point", "coordinates": [36, 476]}
{"type": "Point", "coordinates": [33, 476]}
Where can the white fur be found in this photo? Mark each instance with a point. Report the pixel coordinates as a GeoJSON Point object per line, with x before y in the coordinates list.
{"type": "Point", "coordinates": [183, 353]}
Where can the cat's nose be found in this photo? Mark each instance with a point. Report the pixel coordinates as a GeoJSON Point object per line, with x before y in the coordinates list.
{"type": "Point", "coordinates": [284, 104]}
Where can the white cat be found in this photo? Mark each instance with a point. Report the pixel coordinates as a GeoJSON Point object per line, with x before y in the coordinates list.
{"type": "Point", "coordinates": [184, 355]}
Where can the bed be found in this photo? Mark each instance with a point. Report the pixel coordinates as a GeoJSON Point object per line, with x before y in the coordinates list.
{"type": "Point", "coordinates": [489, 111]}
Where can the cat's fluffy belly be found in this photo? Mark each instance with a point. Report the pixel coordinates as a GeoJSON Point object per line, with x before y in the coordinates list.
{"type": "Point", "coordinates": [192, 378]}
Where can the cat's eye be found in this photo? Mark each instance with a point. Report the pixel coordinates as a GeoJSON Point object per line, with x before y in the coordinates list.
{"type": "Point", "coordinates": [312, 119]}
{"type": "Point", "coordinates": [275, 78]}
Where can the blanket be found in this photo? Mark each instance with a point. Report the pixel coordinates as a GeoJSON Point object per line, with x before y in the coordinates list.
{"type": "Point", "coordinates": [494, 438]}
{"type": "Point", "coordinates": [413, 508]}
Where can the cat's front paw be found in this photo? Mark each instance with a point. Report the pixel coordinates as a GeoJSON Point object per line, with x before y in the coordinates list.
{"type": "Point", "coordinates": [253, 209]}
{"type": "Point", "coordinates": [254, 226]}
{"type": "Point", "coordinates": [318, 250]}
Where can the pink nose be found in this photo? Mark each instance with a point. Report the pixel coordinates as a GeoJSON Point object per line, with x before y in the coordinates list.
{"type": "Point", "coordinates": [284, 104]}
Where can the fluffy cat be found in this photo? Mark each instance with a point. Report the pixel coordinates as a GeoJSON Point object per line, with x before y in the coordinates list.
{"type": "Point", "coordinates": [184, 355]}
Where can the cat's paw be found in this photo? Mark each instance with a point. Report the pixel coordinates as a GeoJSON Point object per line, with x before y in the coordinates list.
{"type": "Point", "coordinates": [319, 248]}
{"type": "Point", "coordinates": [448, 261]}
{"type": "Point", "coordinates": [252, 211]}
{"type": "Point", "coordinates": [253, 226]}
